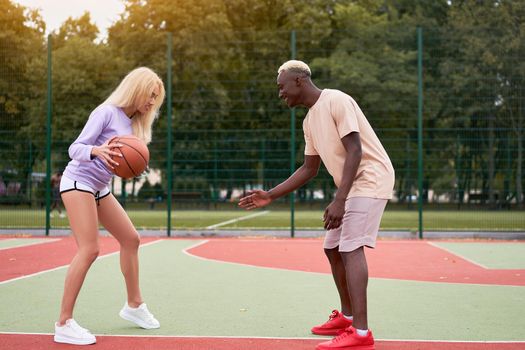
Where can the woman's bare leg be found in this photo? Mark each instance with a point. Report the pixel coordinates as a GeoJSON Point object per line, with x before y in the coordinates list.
{"type": "Point", "coordinates": [114, 218]}
{"type": "Point", "coordinates": [82, 213]}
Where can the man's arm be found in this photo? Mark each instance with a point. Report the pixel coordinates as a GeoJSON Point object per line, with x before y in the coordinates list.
{"type": "Point", "coordinates": [335, 211]}
{"type": "Point", "coordinates": [352, 144]}
{"type": "Point", "coordinates": [260, 198]}
{"type": "Point", "coordinates": [305, 173]}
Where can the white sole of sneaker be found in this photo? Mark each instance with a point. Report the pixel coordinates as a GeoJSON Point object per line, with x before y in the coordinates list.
{"type": "Point", "coordinates": [74, 341]}
{"type": "Point", "coordinates": [136, 320]}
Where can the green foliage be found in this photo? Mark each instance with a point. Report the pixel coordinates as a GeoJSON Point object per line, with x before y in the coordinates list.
{"type": "Point", "coordinates": [20, 41]}
{"type": "Point", "coordinates": [230, 129]}
{"type": "Point", "coordinates": [75, 28]}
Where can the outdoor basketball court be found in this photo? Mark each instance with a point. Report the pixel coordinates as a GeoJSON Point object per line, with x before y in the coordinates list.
{"type": "Point", "coordinates": [266, 293]}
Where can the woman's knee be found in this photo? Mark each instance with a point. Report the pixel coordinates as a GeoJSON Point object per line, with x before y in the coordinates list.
{"type": "Point", "coordinates": [131, 242]}
{"type": "Point", "coordinates": [90, 253]}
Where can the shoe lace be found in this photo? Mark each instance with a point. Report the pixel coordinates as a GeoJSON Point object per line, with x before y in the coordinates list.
{"type": "Point", "coordinates": [348, 331]}
{"type": "Point", "coordinates": [333, 315]}
{"type": "Point", "coordinates": [75, 326]}
{"type": "Point", "coordinates": [146, 313]}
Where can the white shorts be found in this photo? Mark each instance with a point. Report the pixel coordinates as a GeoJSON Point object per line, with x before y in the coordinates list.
{"type": "Point", "coordinates": [359, 226]}
{"type": "Point", "coordinates": [67, 184]}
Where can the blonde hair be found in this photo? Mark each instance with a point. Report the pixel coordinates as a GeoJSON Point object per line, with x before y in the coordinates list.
{"type": "Point", "coordinates": [295, 67]}
{"type": "Point", "coordinates": [133, 91]}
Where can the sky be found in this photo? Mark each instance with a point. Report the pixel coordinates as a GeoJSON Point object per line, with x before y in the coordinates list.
{"type": "Point", "coordinates": [55, 12]}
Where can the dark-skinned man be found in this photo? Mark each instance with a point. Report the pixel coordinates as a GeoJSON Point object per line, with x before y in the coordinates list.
{"type": "Point", "coordinates": [337, 133]}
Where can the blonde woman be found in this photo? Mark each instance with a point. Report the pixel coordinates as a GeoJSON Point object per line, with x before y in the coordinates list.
{"type": "Point", "coordinates": [130, 109]}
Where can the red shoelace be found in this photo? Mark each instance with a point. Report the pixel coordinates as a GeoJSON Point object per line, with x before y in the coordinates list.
{"type": "Point", "coordinates": [343, 335]}
{"type": "Point", "coordinates": [333, 315]}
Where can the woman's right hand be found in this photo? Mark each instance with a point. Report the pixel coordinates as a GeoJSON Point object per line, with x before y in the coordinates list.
{"type": "Point", "coordinates": [104, 153]}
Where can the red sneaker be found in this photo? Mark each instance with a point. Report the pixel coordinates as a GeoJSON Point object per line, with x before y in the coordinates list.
{"type": "Point", "coordinates": [335, 325]}
{"type": "Point", "coordinates": [349, 340]}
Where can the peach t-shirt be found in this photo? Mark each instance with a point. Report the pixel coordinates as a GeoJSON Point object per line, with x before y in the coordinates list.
{"type": "Point", "coordinates": [333, 116]}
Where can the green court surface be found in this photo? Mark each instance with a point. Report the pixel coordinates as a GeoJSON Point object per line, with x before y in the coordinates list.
{"type": "Point", "coordinates": [399, 220]}
{"type": "Point", "coordinates": [280, 219]}
{"type": "Point", "coordinates": [19, 242]}
{"type": "Point", "coordinates": [489, 255]}
{"type": "Point", "coordinates": [192, 296]}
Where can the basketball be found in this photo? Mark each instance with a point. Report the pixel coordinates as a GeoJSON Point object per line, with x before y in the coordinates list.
{"type": "Point", "coordinates": [135, 156]}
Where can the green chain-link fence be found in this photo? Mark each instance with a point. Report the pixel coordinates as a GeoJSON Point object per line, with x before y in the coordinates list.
{"type": "Point", "coordinates": [456, 141]}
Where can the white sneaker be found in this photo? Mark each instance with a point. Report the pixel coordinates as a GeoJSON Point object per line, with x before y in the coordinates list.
{"type": "Point", "coordinates": [72, 333]}
{"type": "Point", "coordinates": [62, 215]}
{"type": "Point", "coordinates": [140, 316]}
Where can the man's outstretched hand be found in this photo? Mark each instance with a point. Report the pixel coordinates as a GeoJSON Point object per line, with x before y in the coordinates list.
{"type": "Point", "coordinates": [255, 199]}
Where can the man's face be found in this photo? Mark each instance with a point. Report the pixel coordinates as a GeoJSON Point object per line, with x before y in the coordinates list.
{"type": "Point", "coordinates": [289, 85]}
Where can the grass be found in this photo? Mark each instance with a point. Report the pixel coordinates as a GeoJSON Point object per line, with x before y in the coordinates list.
{"type": "Point", "coordinates": [304, 219]}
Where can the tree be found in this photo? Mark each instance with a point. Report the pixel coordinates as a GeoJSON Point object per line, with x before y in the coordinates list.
{"type": "Point", "coordinates": [83, 74]}
{"type": "Point", "coordinates": [371, 55]}
{"type": "Point", "coordinates": [81, 27]}
{"type": "Point", "coordinates": [485, 39]}
{"type": "Point", "coordinates": [20, 42]}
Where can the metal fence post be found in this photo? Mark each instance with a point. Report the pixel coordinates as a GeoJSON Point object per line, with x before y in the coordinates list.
{"type": "Point", "coordinates": [420, 127]}
{"type": "Point", "coordinates": [123, 193]}
{"type": "Point", "coordinates": [169, 152]}
{"type": "Point", "coordinates": [292, 146]}
{"type": "Point", "coordinates": [48, 136]}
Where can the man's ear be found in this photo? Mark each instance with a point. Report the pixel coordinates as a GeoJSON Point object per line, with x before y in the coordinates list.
{"type": "Point", "coordinates": [298, 80]}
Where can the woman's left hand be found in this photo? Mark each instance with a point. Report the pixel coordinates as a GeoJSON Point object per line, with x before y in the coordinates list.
{"type": "Point", "coordinates": [106, 153]}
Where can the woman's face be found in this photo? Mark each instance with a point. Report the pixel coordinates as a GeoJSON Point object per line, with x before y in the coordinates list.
{"type": "Point", "coordinates": [149, 101]}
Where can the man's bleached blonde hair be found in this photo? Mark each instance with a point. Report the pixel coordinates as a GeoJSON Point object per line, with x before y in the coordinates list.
{"type": "Point", "coordinates": [134, 90]}
{"type": "Point", "coordinates": [295, 66]}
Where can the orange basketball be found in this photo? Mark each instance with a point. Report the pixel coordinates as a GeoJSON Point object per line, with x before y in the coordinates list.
{"type": "Point", "coordinates": [135, 156]}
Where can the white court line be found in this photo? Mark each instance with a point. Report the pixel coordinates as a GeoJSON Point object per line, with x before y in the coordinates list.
{"type": "Point", "coordinates": [194, 246]}
{"type": "Point", "coordinates": [29, 244]}
{"type": "Point", "coordinates": [238, 219]}
{"type": "Point", "coordinates": [65, 266]}
{"type": "Point", "coordinates": [279, 338]}
{"type": "Point", "coordinates": [460, 256]}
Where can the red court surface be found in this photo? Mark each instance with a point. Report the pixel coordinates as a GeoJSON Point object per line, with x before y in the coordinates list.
{"type": "Point", "coordinates": [406, 260]}
{"type": "Point", "coordinates": [26, 260]}
{"type": "Point", "coordinates": [44, 342]}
